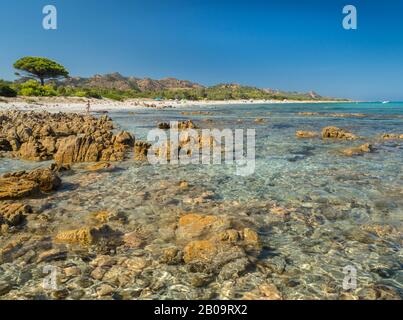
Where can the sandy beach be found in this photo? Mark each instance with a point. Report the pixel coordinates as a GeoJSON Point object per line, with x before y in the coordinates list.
{"type": "Point", "coordinates": [76, 104]}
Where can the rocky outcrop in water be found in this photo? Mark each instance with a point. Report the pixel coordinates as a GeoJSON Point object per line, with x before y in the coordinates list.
{"type": "Point", "coordinates": [392, 136]}
{"type": "Point", "coordinates": [65, 137]}
{"type": "Point", "coordinates": [337, 133]}
{"type": "Point", "coordinates": [141, 150]}
{"type": "Point", "coordinates": [22, 184]}
{"type": "Point", "coordinates": [181, 125]}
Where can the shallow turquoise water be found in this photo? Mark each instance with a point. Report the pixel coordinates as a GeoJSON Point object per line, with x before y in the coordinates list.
{"type": "Point", "coordinates": [330, 196]}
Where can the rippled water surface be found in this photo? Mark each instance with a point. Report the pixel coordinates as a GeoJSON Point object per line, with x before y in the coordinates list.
{"type": "Point", "coordinates": [336, 205]}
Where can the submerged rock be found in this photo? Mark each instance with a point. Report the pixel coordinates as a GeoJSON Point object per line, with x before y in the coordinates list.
{"type": "Point", "coordinates": [306, 134]}
{"type": "Point", "coordinates": [85, 236]}
{"type": "Point", "coordinates": [52, 255]}
{"type": "Point", "coordinates": [264, 292]}
{"type": "Point", "coordinates": [193, 226]}
{"type": "Point", "coordinates": [354, 151]}
{"type": "Point", "coordinates": [211, 244]}
{"type": "Point", "coordinates": [308, 113]}
{"type": "Point", "coordinates": [99, 166]}
{"type": "Point", "coordinates": [392, 136]}
{"type": "Point", "coordinates": [210, 255]}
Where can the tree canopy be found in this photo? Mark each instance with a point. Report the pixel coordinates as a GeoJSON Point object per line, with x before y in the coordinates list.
{"type": "Point", "coordinates": [40, 68]}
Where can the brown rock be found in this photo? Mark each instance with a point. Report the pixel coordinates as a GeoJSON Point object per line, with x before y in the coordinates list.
{"type": "Point", "coordinates": [171, 256]}
{"type": "Point", "coordinates": [133, 240]}
{"type": "Point", "coordinates": [250, 237]}
{"type": "Point", "coordinates": [103, 261]}
{"type": "Point", "coordinates": [263, 292]}
{"type": "Point", "coordinates": [21, 184]}
{"type": "Point", "coordinates": [13, 213]}
{"type": "Point", "coordinates": [137, 264]}
{"type": "Point", "coordinates": [164, 126]}
{"type": "Point", "coordinates": [270, 292]}
{"type": "Point", "coordinates": [124, 138]}
{"type": "Point", "coordinates": [306, 134]}
{"type": "Point", "coordinates": [84, 236]}
{"type": "Point", "coordinates": [99, 166]}
{"type": "Point", "coordinates": [308, 113]}
{"type": "Point", "coordinates": [11, 189]}
{"type": "Point", "coordinates": [188, 124]}
{"type": "Point", "coordinates": [210, 255]}
{"type": "Point", "coordinates": [192, 226]}
{"type": "Point", "coordinates": [230, 235]}
{"type": "Point", "coordinates": [365, 148]}
{"type": "Point", "coordinates": [200, 251]}
{"type": "Point", "coordinates": [392, 136]}
{"type": "Point", "coordinates": [78, 149]}
{"type": "Point", "coordinates": [72, 271]}
{"type": "Point", "coordinates": [52, 255]}
{"type": "Point", "coordinates": [337, 133]}
{"type": "Point", "coordinates": [105, 290]}
{"type": "Point", "coordinates": [141, 150]}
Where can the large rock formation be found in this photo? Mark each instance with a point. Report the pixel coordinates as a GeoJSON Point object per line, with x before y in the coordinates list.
{"type": "Point", "coordinates": [65, 137]}
{"type": "Point", "coordinates": [21, 184]}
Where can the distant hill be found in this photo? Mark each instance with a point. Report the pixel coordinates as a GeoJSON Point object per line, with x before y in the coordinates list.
{"type": "Point", "coordinates": [119, 87]}
{"type": "Point", "coordinates": [116, 81]}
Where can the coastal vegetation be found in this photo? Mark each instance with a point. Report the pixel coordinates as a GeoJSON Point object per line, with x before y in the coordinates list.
{"type": "Point", "coordinates": [40, 68]}
{"type": "Point", "coordinates": [6, 90]}
{"type": "Point", "coordinates": [45, 78]}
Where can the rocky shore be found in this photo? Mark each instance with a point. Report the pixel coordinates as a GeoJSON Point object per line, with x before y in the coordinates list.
{"type": "Point", "coordinates": [184, 243]}
{"type": "Point", "coordinates": [63, 137]}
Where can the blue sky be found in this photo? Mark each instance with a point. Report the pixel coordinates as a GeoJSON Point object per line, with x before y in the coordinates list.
{"type": "Point", "coordinates": [289, 45]}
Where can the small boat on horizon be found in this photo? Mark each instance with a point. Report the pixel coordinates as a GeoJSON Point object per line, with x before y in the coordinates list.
{"type": "Point", "coordinates": [384, 102]}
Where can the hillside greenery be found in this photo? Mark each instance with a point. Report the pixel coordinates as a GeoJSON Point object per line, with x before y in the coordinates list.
{"type": "Point", "coordinates": [218, 92]}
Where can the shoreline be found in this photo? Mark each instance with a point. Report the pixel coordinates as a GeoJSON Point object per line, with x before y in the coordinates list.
{"type": "Point", "coordinates": [76, 104]}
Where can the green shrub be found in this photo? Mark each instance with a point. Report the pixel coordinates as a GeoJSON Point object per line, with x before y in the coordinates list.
{"type": "Point", "coordinates": [80, 93]}
{"type": "Point", "coordinates": [6, 90]}
{"type": "Point", "coordinates": [113, 96]}
{"type": "Point", "coordinates": [93, 94]}
{"type": "Point", "coordinates": [34, 88]}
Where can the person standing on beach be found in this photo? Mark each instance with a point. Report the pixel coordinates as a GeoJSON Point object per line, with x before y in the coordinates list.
{"type": "Point", "coordinates": [88, 107]}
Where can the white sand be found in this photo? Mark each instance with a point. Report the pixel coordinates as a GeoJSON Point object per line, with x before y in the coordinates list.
{"type": "Point", "coordinates": [74, 104]}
